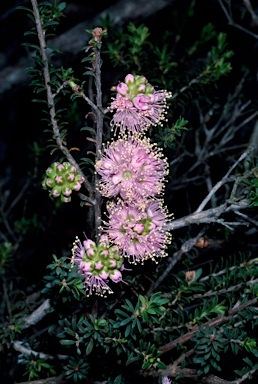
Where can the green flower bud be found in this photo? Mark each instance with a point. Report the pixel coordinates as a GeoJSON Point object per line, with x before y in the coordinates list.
{"type": "Point", "coordinates": [61, 180]}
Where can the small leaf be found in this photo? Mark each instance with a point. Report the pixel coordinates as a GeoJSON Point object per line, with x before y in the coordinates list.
{"type": "Point", "coordinates": [89, 347]}
{"type": "Point", "coordinates": [67, 342]}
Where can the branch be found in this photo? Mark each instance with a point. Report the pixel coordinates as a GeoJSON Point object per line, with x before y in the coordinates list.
{"type": "Point", "coordinates": [186, 247]}
{"type": "Point", "coordinates": [172, 371]}
{"type": "Point", "coordinates": [248, 5]}
{"type": "Point", "coordinates": [231, 21]}
{"type": "Point", "coordinates": [36, 315]}
{"type": "Point", "coordinates": [99, 133]}
{"type": "Point", "coordinates": [17, 345]}
{"type": "Point", "coordinates": [214, 322]}
{"type": "Point", "coordinates": [49, 380]}
{"type": "Point", "coordinates": [211, 215]}
{"type": "Point", "coordinates": [224, 179]}
{"type": "Point", "coordinates": [50, 99]}
{"type": "Point", "coordinates": [246, 376]}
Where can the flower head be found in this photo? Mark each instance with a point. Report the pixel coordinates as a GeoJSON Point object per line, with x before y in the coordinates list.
{"type": "Point", "coordinates": [138, 230]}
{"type": "Point", "coordinates": [165, 380]}
{"type": "Point", "coordinates": [132, 169]}
{"type": "Point", "coordinates": [97, 263]}
{"type": "Point", "coordinates": [137, 105]}
{"type": "Point", "coordinates": [61, 180]}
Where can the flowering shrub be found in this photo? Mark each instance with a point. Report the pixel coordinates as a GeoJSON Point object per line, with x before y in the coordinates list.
{"type": "Point", "coordinates": [123, 301]}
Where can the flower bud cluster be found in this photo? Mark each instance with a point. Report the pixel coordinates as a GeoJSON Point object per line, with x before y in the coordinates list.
{"type": "Point", "coordinates": [97, 262]}
{"type": "Point", "coordinates": [61, 179]}
{"type": "Point", "coordinates": [137, 105]}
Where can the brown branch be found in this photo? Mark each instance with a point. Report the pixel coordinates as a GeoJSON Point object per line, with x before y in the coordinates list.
{"type": "Point", "coordinates": [214, 322]}
{"type": "Point", "coordinates": [49, 380]}
{"type": "Point", "coordinates": [172, 371]}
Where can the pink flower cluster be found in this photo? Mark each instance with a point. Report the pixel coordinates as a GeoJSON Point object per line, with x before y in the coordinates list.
{"type": "Point", "coordinates": [131, 174]}
{"type": "Point", "coordinates": [137, 105]}
{"type": "Point", "coordinates": [138, 229]}
{"type": "Point", "coordinates": [132, 169]}
{"type": "Point", "coordinates": [97, 263]}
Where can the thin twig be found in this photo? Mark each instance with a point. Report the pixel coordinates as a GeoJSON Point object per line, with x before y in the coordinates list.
{"type": "Point", "coordinates": [249, 7]}
{"type": "Point", "coordinates": [232, 23]}
{"type": "Point", "coordinates": [186, 247]}
{"type": "Point", "coordinates": [224, 179]}
{"type": "Point", "coordinates": [17, 198]}
{"type": "Point", "coordinates": [7, 301]}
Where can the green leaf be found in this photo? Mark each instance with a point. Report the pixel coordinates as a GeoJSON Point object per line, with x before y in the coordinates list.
{"type": "Point", "coordinates": [118, 380]}
{"type": "Point", "coordinates": [89, 347]}
{"type": "Point", "coordinates": [67, 342]}
{"type": "Point", "coordinates": [126, 321]}
{"type": "Point", "coordinates": [62, 6]}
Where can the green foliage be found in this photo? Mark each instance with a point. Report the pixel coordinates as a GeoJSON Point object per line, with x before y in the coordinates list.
{"type": "Point", "coordinates": [150, 356]}
{"type": "Point", "coordinates": [218, 64]}
{"type": "Point", "coordinates": [149, 310]}
{"type": "Point", "coordinates": [50, 15]}
{"type": "Point", "coordinates": [128, 48]}
{"type": "Point", "coordinates": [208, 33]}
{"type": "Point", "coordinates": [208, 309]}
{"type": "Point", "coordinates": [248, 370]}
{"type": "Point", "coordinates": [253, 188]}
{"type": "Point", "coordinates": [23, 226]}
{"type": "Point", "coordinates": [166, 137]}
{"type": "Point", "coordinates": [6, 252]}
{"type": "Point", "coordinates": [85, 333]}
{"type": "Point", "coordinates": [76, 369]}
{"type": "Point", "coordinates": [133, 51]}
{"type": "Point", "coordinates": [208, 345]}
{"type": "Point", "coordinates": [63, 281]}
{"type": "Point", "coordinates": [9, 331]}
{"type": "Point", "coordinates": [36, 366]}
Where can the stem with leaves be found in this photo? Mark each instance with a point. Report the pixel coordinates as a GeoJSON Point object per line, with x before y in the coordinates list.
{"type": "Point", "coordinates": [51, 103]}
